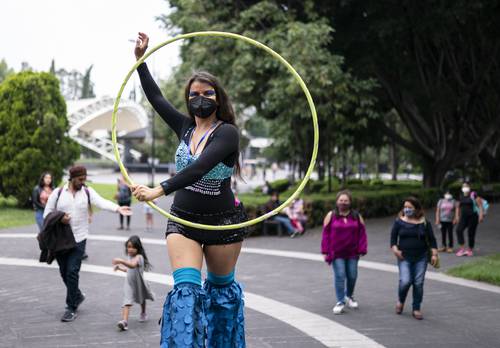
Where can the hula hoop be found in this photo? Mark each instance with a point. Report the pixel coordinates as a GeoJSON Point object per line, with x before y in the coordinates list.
{"type": "Point", "coordinates": [297, 78]}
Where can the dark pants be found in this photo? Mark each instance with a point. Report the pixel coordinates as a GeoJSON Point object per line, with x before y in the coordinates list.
{"type": "Point", "coordinates": [468, 222]}
{"type": "Point", "coordinates": [69, 267]}
{"type": "Point", "coordinates": [447, 233]}
{"type": "Point", "coordinates": [412, 273]}
{"type": "Point", "coordinates": [121, 216]}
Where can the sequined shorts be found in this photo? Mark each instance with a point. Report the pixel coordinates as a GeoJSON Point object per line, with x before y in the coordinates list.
{"type": "Point", "coordinates": [210, 237]}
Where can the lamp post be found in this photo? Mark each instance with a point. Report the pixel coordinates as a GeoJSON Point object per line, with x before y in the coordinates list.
{"type": "Point", "coordinates": [153, 169]}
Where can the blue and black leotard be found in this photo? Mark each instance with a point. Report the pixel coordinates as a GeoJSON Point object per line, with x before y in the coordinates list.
{"type": "Point", "coordinates": [203, 182]}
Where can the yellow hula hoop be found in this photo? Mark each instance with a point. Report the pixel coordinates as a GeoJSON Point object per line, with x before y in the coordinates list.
{"type": "Point", "coordinates": [297, 78]}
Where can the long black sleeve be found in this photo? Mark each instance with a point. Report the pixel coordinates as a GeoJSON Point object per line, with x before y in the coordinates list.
{"type": "Point", "coordinates": [430, 234]}
{"type": "Point", "coordinates": [167, 111]}
{"type": "Point", "coordinates": [35, 199]}
{"type": "Point", "coordinates": [394, 234]}
{"type": "Point", "coordinates": [224, 142]}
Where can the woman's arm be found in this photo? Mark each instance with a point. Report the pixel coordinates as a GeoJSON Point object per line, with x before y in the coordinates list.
{"type": "Point", "coordinates": [167, 111]}
{"type": "Point", "coordinates": [394, 241]}
{"type": "Point", "coordinates": [326, 238]}
{"type": "Point", "coordinates": [363, 240]}
{"type": "Point", "coordinates": [479, 203]}
{"type": "Point", "coordinates": [35, 198]}
{"type": "Point", "coordinates": [437, 213]}
{"type": "Point", "coordinates": [133, 263]}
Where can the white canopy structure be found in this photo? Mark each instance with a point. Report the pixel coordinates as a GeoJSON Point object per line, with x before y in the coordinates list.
{"type": "Point", "coordinates": [90, 118]}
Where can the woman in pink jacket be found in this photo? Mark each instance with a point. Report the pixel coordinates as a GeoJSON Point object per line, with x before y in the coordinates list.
{"type": "Point", "coordinates": [344, 240]}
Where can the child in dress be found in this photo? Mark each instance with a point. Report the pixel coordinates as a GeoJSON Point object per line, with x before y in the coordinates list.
{"type": "Point", "coordinates": [135, 288]}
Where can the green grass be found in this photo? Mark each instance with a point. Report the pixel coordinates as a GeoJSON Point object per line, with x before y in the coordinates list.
{"type": "Point", "coordinates": [485, 269]}
{"type": "Point", "coordinates": [107, 191]}
{"type": "Point", "coordinates": [12, 217]}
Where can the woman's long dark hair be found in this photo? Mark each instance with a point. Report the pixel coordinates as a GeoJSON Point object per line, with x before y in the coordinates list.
{"type": "Point", "coordinates": [136, 243]}
{"type": "Point", "coordinates": [224, 112]}
{"type": "Point", "coordinates": [41, 184]}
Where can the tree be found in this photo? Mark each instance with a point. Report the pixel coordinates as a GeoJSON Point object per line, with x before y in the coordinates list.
{"type": "Point", "coordinates": [256, 80]}
{"type": "Point", "coordinates": [87, 84]}
{"type": "Point", "coordinates": [4, 70]}
{"type": "Point", "coordinates": [437, 65]}
{"type": "Point", "coordinates": [33, 133]}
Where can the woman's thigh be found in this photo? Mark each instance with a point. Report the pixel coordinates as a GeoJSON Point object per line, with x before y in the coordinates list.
{"type": "Point", "coordinates": [184, 252]}
{"type": "Point", "coordinates": [221, 259]}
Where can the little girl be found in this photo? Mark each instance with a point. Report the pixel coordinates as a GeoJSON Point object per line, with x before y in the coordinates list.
{"type": "Point", "coordinates": [135, 288]}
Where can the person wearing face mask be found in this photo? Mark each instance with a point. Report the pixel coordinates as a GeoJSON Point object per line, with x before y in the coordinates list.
{"type": "Point", "coordinates": [343, 242]}
{"type": "Point", "coordinates": [445, 218]}
{"type": "Point", "coordinates": [206, 159]}
{"type": "Point", "coordinates": [468, 218]}
{"type": "Point", "coordinates": [411, 238]}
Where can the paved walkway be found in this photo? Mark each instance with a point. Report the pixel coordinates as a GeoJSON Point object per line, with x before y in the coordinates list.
{"type": "Point", "coordinates": [289, 297]}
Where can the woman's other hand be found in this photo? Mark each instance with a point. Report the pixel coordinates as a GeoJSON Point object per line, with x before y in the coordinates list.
{"type": "Point", "coordinates": [141, 45]}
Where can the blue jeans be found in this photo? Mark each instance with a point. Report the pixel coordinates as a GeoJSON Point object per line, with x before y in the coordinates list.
{"type": "Point", "coordinates": [285, 222]}
{"type": "Point", "coordinates": [412, 273]}
{"type": "Point", "coordinates": [346, 273]}
{"type": "Point", "coordinates": [39, 219]}
{"type": "Point", "coordinates": [69, 267]}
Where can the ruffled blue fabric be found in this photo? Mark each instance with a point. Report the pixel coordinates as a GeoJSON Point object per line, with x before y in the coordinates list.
{"type": "Point", "coordinates": [226, 321]}
{"type": "Point", "coordinates": [184, 324]}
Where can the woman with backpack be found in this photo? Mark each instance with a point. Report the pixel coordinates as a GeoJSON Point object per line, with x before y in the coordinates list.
{"type": "Point", "coordinates": [411, 239]}
{"type": "Point", "coordinates": [469, 213]}
{"type": "Point", "coordinates": [124, 198]}
{"type": "Point", "coordinates": [343, 242]}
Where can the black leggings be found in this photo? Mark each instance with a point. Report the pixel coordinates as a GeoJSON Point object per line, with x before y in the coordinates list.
{"type": "Point", "coordinates": [468, 222]}
{"type": "Point", "coordinates": [447, 233]}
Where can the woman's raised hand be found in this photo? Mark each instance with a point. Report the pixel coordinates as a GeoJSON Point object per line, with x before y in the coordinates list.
{"type": "Point", "coordinates": [141, 45]}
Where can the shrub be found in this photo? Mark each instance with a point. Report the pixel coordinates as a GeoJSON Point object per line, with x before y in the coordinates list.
{"type": "Point", "coordinates": [33, 128]}
{"type": "Point", "coordinates": [280, 185]}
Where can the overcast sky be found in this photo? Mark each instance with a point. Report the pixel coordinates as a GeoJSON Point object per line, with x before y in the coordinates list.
{"type": "Point", "coordinates": [80, 33]}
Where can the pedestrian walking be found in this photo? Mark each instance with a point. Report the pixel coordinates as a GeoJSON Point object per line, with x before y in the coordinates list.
{"type": "Point", "coordinates": [469, 213]}
{"type": "Point", "coordinates": [445, 219]}
{"type": "Point", "coordinates": [124, 198]}
{"type": "Point", "coordinates": [40, 196]}
{"type": "Point", "coordinates": [412, 238]}
{"type": "Point", "coordinates": [75, 200]}
{"type": "Point", "coordinates": [135, 289]}
{"type": "Point", "coordinates": [343, 242]}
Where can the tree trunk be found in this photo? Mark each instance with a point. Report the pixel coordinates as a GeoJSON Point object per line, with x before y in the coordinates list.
{"type": "Point", "coordinates": [491, 164]}
{"type": "Point", "coordinates": [434, 173]}
{"type": "Point", "coordinates": [393, 152]}
{"type": "Point", "coordinates": [377, 163]}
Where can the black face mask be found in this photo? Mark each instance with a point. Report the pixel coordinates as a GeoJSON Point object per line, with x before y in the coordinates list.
{"type": "Point", "coordinates": [201, 106]}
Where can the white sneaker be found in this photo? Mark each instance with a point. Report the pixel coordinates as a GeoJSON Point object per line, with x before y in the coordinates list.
{"type": "Point", "coordinates": [339, 308]}
{"type": "Point", "coordinates": [351, 303]}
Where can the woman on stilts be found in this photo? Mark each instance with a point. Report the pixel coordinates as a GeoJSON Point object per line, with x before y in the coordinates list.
{"type": "Point", "coordinates": [194, 315]}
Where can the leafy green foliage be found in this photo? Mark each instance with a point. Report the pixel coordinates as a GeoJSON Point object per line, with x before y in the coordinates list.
{"type": "Point", "coordinates": [33, 137]}
{"type": "Point", "coordinates": [256, 80]}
